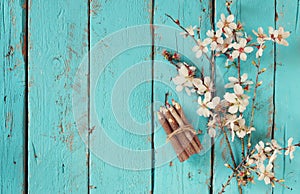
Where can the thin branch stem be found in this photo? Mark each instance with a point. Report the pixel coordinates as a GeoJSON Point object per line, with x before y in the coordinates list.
{"type": "Point", "coordinates": [239, 69]}
{"type": "Point", "coordinates": [229, 146]}
{"type": "Point", "coordinates": [240, 80]}
{"type": "Point", "coordinates": [253, 105]}
{"type": "Point", "coordinates": [243, 147]}
{"type": "Point", "coordinates": [234, 172]}
{"type": "Point", "coordinates": [192, 36]}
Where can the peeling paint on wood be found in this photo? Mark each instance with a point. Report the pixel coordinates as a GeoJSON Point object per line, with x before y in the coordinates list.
{"type": "Point", "coordinates": [57, 155]}
{"type": "Point", "coordinates": [12, 92]}
{"type": "Point", "coordinates": [59, 35]}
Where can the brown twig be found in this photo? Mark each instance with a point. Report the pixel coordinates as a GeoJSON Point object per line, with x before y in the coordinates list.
{"type": "Point", "coordinates": [234, 172]}
{"type": "Point", "coordinates": [239, 69]}
{"type": "Point", "coordinates": [180, 26]}
{"type": "Point", "coordinates": [228, 4]}
{"type": "Point", "coordinates": [229, 146]}
{"type": "Point", "coordinates": [253, 104]}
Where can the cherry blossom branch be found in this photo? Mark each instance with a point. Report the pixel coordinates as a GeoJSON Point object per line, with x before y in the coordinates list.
{"type": "Point", "coordinates": [234, 172]}
{"type": "Point", "coordinates": [192, 36]}
{"type": "Point", "coordinates": [232, 156]}
{"type": "Point", "coordinates": [239, 77]}
{"type": "Point", "coordinates": [275, 180]}
{"type": "Point", "coordinates": [239, 69]}
{"type": "Point", "coordinates": [253, 103]}
{"type": "Point", "coordinates": [229, 146]}
{"type": "Point", "coordinates": [228, 4]}
{"type": "Point", "coordinates": [231, 41]}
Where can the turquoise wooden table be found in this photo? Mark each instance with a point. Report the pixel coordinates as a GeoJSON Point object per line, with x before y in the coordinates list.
{"type": "Point", "coordinates": [45, 134]}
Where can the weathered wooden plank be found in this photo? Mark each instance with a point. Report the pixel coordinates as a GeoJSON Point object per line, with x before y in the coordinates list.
{"type": "Point", "coordinates": [171, 176]}
{"type": "Point", "coordinates": [58, 39]}
{"type": "Point", "coordinates": [249, 13]}
{"type": "Point", "coordinates": [12, 94]}
{"type": "Point", "coordinates": [120, 97]}
{"type": "Point", "coordinates": [287, 94]}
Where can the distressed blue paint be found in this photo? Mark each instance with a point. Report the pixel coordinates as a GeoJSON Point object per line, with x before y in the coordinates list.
{"type": "Point", "coordinates": [12, 96]}
{"type": "Point", "coordinates": [58, 38]}
{"type": "Point", "coordinates": [59, 160]}
{"type": "Point", "coordinates": [112, 90]}
{"type": "Point", "coordinates": [263, 117]}
{"type": "Point", "coordinates": [192, 176]}
{"type": "Point", "coordinates": [287, 93]}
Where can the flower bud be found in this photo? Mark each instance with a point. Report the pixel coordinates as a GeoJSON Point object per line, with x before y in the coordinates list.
{"type": "Point", "coordinates": [259, 84]}
{"type": "Point", "coordinates": [262, 70]}
{"type": "Point", "coordinates": [254, 63]}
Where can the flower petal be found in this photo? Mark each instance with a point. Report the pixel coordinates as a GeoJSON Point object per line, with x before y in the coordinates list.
{"type": "Point", "coordinates": [243, 56]}
{"type": "Point", "coordinates": [238, 89]}
{"type": "Point", "coordinates": [235, 54]}
{"type": "Point", "coordinates": [233, 109]}
{"type": "Point", "coordinates": [183, 70]}
{"type": "Point", "coordinates": [230, 18]}
{"type": "Point", "coordinates": [248, 49]}
{"type": "Point", "coordinates": [244, 77]}
{"type": "Point", "coordinates": [178, 80]}
{"type": "Point", "coordinates": [230, 97]}
{"type": "Point", "coordinates": [179, 88]}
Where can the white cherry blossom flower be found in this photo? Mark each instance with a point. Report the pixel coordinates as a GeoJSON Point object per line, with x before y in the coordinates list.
{"type": "Point", "coordinates": [241, 49]}
{"type": "Point", "coordinates": [234, 81]}
{"type": "Point", "coordinates": [190, 31]}
{"type": "Point", "coordinates": [227, 44]}
{"type": "Point", "coordinates": [238, 100]}
{"type": "Point", "coordinates": [239, 128]}
{"type": "Point", "coordinates": [211, 126]}
{"type": "Point", "coordinates": [250, 160]}
{"type": "Point", "coordinates": [260, 50]}
{"type": "Point", "coordinates": [274, 145]}
{"type": "Point", "coordinates": [207, 104]}
{"type": "Point", "coordinates": [279, 35]}
{"type": "Point", "coordinates": [290, 149]}
{"type": "Point", "coordinates": [200, 48]}
{"type": "Point", "coordinates": [208, 84]}
{"type": "Point", "coordinates": [212, 122]}
{"type": "Point", "coordinates": [230, 123]}
{"type": "Point", "coordinates": [261, 36]}
{"type": "Point", "coordinates": [185, 77]}
{"type": "Point", "coordinates": [273, 157]}
{"type": "Point", "coordinates": [226, 24]}
{"type": "Point", "coordinates": [200, 87]}
{"type": "Point", "coordinates": [260, 156]}
{"type": "Point", "coordinates": [266, 173]}
{"type": "Point", "coordinates": [239, 35]}
{"type": "Point", "coordinates": [203, 86]}
{"type": "Point", "coordinates": [214, 39]}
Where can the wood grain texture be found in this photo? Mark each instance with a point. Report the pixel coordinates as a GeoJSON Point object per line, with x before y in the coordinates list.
{"type": "Point", "coordinates": [12, 95]}
{"type": "Point", "coordinates": [263, 117]}
{"type": "Point", "coordinates": [287, 93]}
{"type": "Point", "coordinates": [121, 94]}
{"type": "Point", "coordinates": [58, 39]}
{"type": "Point", "coordinates": [126, 95]}
{"type": "Point", "coordinates": [192, 176]}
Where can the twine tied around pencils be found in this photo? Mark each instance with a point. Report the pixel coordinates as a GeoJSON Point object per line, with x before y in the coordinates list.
{"type": "Point", "coordinates": [181, 129]}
